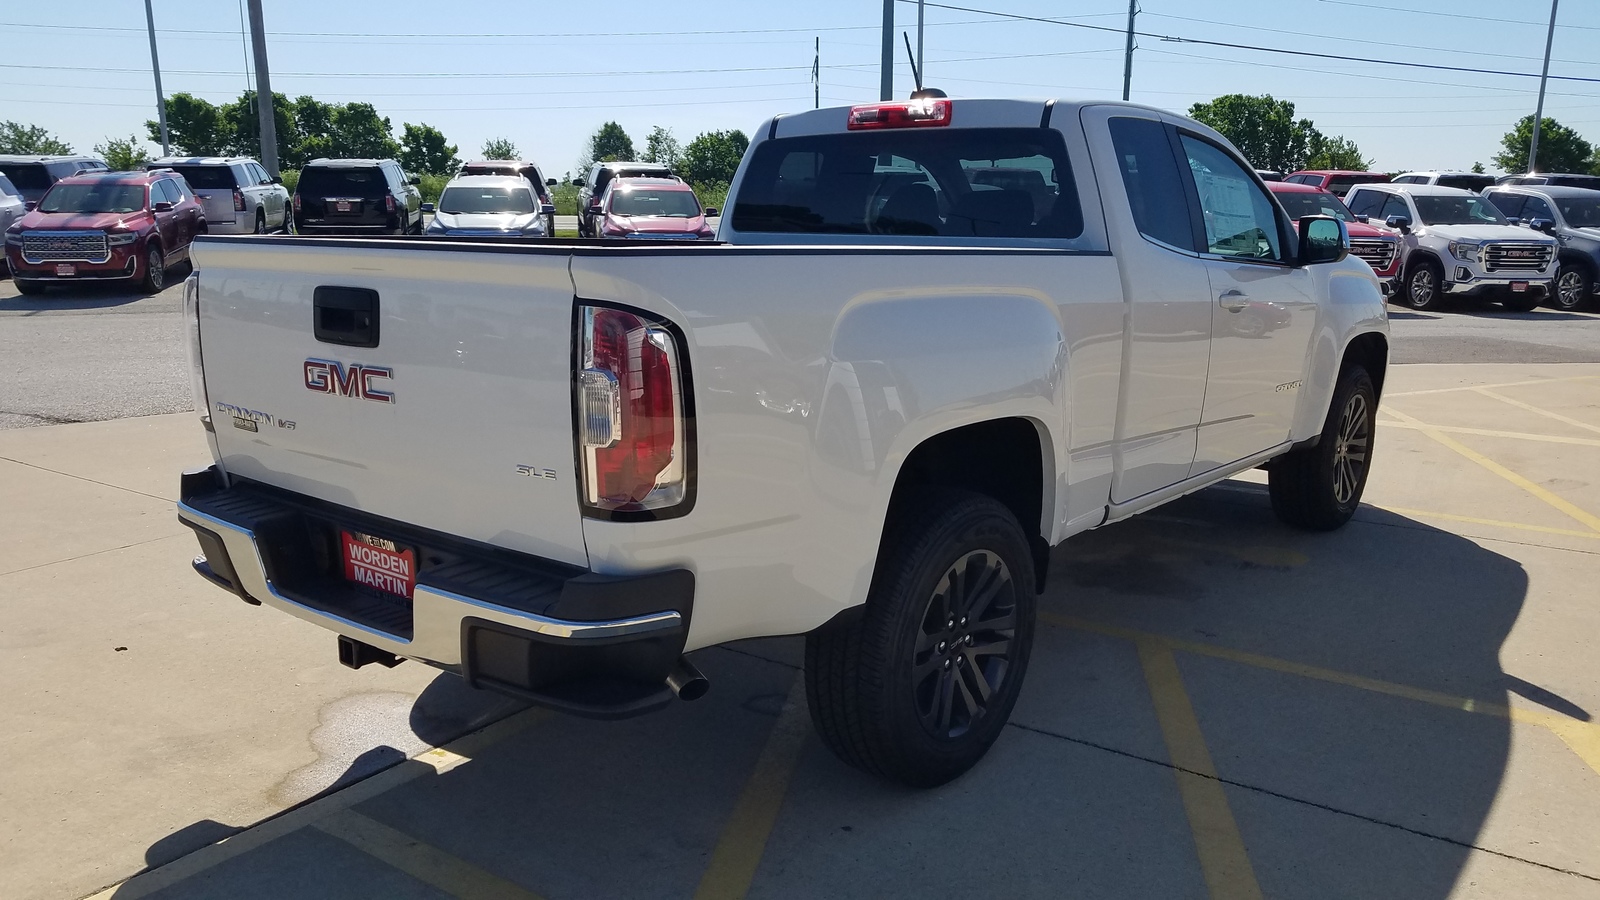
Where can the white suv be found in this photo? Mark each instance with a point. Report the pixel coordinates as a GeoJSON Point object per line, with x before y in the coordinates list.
{"type": "Point", "coordinates": [1456, 243]}
{"type": "Point", "coordinates": [1469, 181]}
{"type": "Point", "coordinates": [238, 195]}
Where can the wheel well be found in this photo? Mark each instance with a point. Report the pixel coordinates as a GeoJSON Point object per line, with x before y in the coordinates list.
{"type": "Point", "coordinates": [1371, 350]}
{"type": "Point", "coordinates": [1002, 458]}
{"type": "Point", "coordinates": [1569, 257]}
{"type": "Point", "coordinates": [1419, 256]}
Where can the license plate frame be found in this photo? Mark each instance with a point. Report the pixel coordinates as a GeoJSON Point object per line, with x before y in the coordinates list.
{"type": "Point", "coordinates": [378, 563]}
{"type": "Point", "coordinates": [342, 206]}
{"type": "Point", "coordinates": [1518, 287]}
{"type": "Point", "coordinates": [66, 270]}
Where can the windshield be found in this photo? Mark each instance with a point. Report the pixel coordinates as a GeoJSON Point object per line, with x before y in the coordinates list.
{"type": "Point", "coordinates": [1579, 212]}
{"type": "Point", "coordinates": [1458, 211]}
{"type": "Point", "coordinates": [99, 197]}
{"type": "Point", "coordinates": [27, 176]}
{"type": "Point", "coordinates": [645, 202]}
{"type": "Point", "coordinates": [206, 178]}
{"type": "Point", "coordinates": [1322, 203]}
{"type": "Point", "coordinates": [459, 200]}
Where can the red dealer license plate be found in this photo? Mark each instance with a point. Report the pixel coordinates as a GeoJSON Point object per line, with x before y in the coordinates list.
{"type": "Point", "coordinates": [1519, 286]}
{"type": "Point", "coordinates": [378, 563]}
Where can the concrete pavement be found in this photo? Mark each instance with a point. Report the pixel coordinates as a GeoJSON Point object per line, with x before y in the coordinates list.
{"type": "Point", "coordinates": [1218, 707]}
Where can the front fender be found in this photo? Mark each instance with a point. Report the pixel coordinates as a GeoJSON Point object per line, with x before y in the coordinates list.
{"type": "Point", "coordinates": [1353, 304]}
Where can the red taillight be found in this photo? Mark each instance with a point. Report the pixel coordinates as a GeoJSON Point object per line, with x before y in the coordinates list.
{"type": "Point", "coordinates": [906, 114]}
{"type": "Point", "coordinates": [630, 411]}
{"type": "Point", "coordinates": [388, 202]}
{"type": "Point", "coordinates": [238, 200]}
{"type": "Point", "coordinates": [296, 202]}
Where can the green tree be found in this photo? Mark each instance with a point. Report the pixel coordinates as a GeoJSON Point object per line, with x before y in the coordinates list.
{"type": "Point", "coordinates": [123, 155]}
{"type": "Point", "coordinates": [1263, 128]}
{"type": "Point", "coordinates": [1335, 153]}
{"type": "Point", "coordinates": [1477, 168]}
{"type": "Point", "coordinates": [16, 137]}
{"type": "Point", "coordinates": [423, 150]}
{"type": "Point", "coordinates": [313, 125]}
{"type": "Point", "coordinates": [500, 148]}
{"type": "Point", "coordinates": [242, 120]}
{"type": "Point", "coordinates": [610, 143]}
{"type": "Point", "coordinates": [713, 157]}
{"type": "Point", "coordinates": [1560, 148]}
{"type": "Point", "coordinates": [195, 127]}
{"type": "Point", "coordinates": [661, 147]}
{"type": "Point", "coordinates": [358, 131]}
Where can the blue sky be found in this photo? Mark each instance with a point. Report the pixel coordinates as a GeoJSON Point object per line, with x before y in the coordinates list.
{"type": "Point", "coordinates": [546, 75]}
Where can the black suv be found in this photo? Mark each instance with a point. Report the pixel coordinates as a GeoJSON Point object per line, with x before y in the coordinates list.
{"type": "Point", "coordinates": [593, 188]}
{"type": "Point", "coordinates": [33, 175]}
{"type": "Point", "coordinates": [357, 196]}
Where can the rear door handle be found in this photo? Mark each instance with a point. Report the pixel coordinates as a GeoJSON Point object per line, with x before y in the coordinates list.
{"type": "Point", "coordinates": [1233, 300]}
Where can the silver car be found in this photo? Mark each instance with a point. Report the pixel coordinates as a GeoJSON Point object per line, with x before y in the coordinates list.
{"type": "Point", "coordinates": [487, 206]}
{"type": "Point", "coordinates": [238, 195]}
{"type": "Point", "coordinates": [12, 207]}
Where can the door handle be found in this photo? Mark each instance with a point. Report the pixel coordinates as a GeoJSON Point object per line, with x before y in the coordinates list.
{"type": "Point", "coordinates": [1233, 300]}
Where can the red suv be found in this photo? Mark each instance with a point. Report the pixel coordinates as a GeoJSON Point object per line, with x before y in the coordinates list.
{"type": "Point", "coordinates": [1378, 247]}
{"type": "Point", "coordinates": [129, 226]}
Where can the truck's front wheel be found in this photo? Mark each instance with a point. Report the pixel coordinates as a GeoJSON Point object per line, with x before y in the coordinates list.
{"type": "Point", "coordinates": [917, 688]}
{"type": "Point", "coordinates": [1319, 488]}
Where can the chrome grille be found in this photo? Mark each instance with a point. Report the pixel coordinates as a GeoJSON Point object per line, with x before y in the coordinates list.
{"type": "Point", "coordinates": [1516, 257]}
{"type": "Point", "coordinates": [64, 246]}
{"type": "Point", "coordinates": [1376, 252]}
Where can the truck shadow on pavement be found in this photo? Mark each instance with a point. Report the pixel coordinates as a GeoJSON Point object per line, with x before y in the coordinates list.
{"type": "Point", "coordinates": [1331, 787]}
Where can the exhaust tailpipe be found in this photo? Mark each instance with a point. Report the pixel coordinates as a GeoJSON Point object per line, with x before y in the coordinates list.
{"type": "Point", "coordinates": [687, 682]}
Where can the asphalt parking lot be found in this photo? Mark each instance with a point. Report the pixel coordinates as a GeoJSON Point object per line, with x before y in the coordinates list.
{"type": "Point", "coordinates": [1218, 707]}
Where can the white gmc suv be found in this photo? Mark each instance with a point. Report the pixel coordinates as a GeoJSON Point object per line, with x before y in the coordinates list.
{"type": "Point", "coordinates": [1455, 243]}
{"type": "Point", "coordinates": [865, 414]}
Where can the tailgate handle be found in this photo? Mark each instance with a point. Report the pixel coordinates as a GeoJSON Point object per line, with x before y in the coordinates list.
{"type": "Point", "coordinates": [345, 315]}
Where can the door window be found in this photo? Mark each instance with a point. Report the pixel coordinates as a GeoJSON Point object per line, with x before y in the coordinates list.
{"type": "Point", "coordinates": [1240, 219]}
{"type": "Point", "coordinates": [1536, 208]}
{"type": "Point", "coordinates": [1365, 203]}
{"type": "Point", "coordinates": [1395, 206]}
{"type": "Point", "coordinates": [1509, 204]}
{"type": "Point", "coordinates": [1153, 181]}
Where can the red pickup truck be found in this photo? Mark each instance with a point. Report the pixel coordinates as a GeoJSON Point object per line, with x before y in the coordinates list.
{"type": "Point", "coordinates": [1338, 181]}
{"type": "Point", "coordinates": [1378, 247]}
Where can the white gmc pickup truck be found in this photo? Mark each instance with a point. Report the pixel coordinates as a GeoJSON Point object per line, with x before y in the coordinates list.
{"type": "Point", "coordinates": [933, 339]}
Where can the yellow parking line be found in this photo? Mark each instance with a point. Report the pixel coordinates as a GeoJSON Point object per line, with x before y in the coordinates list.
{"type": "Point", "coordinates": [1520, 526]}
{"type": "Point", "coordinates": [1486, 432]}
{"type": "Point", "coordinates": [1474, 387]}
{"type": "Point", "coordinates": [1582, 737]}
{"type": "Point", "coordinates": [1587, 518]}
{"type": "Point", "coordinates": [1534, 409]}
{"type": "Point", "coordinates": [1223, 860]}
{"type": "Point", "coordinates": [424, 862]}
{"type": "Point", "coordinates": [744, 837]}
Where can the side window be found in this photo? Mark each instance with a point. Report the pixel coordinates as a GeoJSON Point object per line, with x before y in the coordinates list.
{"type": "Point", "coordinates": [1153, 181]}
{"type": "Point", "coordinates": [1240, 218]}
{"type": "Point", "coordinates": [1396, 206]}
{"type": "Point", "coordinates": [1510, 205]}
{"type": "Point", "coordinates": [161, 192]}
{"type": "Point", "coordinates": [1367, 203]}
{"type": "Point", "coordinates": [1409, 179]}
{"type": "Point", "coordinates": [1536, 208]}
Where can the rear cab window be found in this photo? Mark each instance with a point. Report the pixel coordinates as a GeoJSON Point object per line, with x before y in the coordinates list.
{"type": "Point", "coordinates": [945, 183]}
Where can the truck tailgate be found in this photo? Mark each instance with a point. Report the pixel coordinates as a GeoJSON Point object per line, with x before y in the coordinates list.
{"type": "Point", "coordinates": [467, 391]}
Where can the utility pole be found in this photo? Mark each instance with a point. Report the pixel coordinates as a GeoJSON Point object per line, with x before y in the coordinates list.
{"type": "Point", "coordinates": [1127, 59]}
{"type": "Point", "coordinates": [1538, 113]}
{"type": "Point", "coordinates": [922, 64]}
{"type": "Point", "coordinates": [886, 86]}
{"type": "Point", "coordinates": [155, 66]}
{"type": "Point", "coordinates": [269, 124]}
{"type": "Point", "coordinates": [816, 76]}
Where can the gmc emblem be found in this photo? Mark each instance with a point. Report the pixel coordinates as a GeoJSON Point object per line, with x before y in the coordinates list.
{"type": "Point", "coordinates": [328, 376]}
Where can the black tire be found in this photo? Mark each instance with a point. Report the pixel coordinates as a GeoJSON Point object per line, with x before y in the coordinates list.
{"type": "Point", "coordinates": [261, 222]}
{"type": "Point", "coordinates": [155, 270]}
{"type": "Point", "coordinates": [31, 288]}
{"type": "Point", "coordinates": [1319, 488]}
{"type": "Point", "coordinates": [1423, 286]}
{"type": "Point", "coordinates": [1573, 289]}
{"type": "Point", "coordinates": [884, 689]}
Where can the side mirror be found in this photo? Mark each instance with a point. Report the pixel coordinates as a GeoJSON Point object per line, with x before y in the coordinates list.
{"type": "Point", "coordinates": [1545, 225]}
{"type": "Point", "coordinates": [1401, 224]}
{"type": "Point", "coordinates": [711, 211]}
{"type": "Point", "coordinates": [550, 182]}
{"type": "Point", "coordinates": [161, 206]}
{"type": "Point", "coordinates": [1513, 221]}
{"type": "Point", "coordinates": [427, 207]}
{"type": "Point", "coordinates": [30, 205]}
{"type": "Point", "coordinates": [594, 206]}
{"type": "Point", "coordinates": [1323, 239]}
{"type": "Point", "coordinates": [276, 179]}
{"type": "Point", "coordinates": [547, 209]}
{"type": "Point", "coordinates": [1362, 219]}
{"type": "Point", "coordinates": [577, 182]}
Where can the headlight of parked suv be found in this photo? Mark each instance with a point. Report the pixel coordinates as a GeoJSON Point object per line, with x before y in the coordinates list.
{"type": "Point", "coordinates": [14, 238]}
{"type": "Point", "coordinates": [1464, 251]}
{"type": "Point", "coordinates": [118, 238]}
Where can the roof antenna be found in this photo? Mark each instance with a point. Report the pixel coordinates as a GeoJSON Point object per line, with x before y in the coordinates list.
{"type": "Point", "coordinates": [916, 72]}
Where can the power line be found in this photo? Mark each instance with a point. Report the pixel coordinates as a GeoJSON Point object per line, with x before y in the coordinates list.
{"type": "Point", "coordinates": [502, 34]}
{"type": "Point", "coordinates": [1255, 47]}
{"type": "Point", "coordinates": [1453, 15]}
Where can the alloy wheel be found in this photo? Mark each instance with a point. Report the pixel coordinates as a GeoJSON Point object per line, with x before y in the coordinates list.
{"type": "Point", "coordinates": [1350, 449]}
{"type": "Point", "coordinates": [1422, 287]}
{"type": "Point", "coordinates": [157, 272]}
{"type": "Point", "coordinates": [965, 644]}
{"type": "Point", "coordinates": [1569, 289]}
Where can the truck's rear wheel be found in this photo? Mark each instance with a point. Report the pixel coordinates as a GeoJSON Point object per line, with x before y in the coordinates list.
{"type": "Point", "coordinates": [917, 688]}
{"type": "Point", "coordinates": [1319, 488]}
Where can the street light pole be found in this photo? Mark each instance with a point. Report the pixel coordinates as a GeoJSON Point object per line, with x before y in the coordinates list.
{"type": "Point", "coordinates": [269, 123]}
{"type": "Point", "coordinates": [155, 66]}
{"type": "Point", "coordinates": [886, 84]}
{"type": "Point", "coordinates": [1127, 58]}
{"type": "Point", "coordinates": [1538, 113]}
